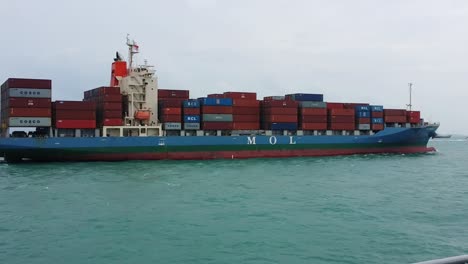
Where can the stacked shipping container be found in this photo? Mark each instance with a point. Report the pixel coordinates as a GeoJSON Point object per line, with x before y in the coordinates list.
{"type": "Point", "coordinates": [377, 121]}
{"type": "Point", "coordinates": [26, 103]}
{"type": "Point", "coordinates": [363, 117]}
{"type": "Point", "coordinates": [339, 117]}
{"type": "Point", "coordinates": [216, 113]}
{"type": "Point", "coordinates": [413, 117]}
{"type": "Point", "coordinates": [279, 114]}
{"type": "Point", "coordinates": [170, 107]}
{"type": "Point", "coordinates": [108, 102]}
{"type": "Point", "coordinates": [191, 111]}
{"type": "Point", "coordinates": [395, 116]}
{"type": "Point", "coordinates": [312, 111]}
{"type": "Point", "coordinates": [245, 110]}
{"type": "Point", "coordinates": [74, 114]}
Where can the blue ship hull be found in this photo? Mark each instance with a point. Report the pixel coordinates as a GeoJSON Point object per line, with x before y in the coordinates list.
{"type": "Point", "coordinates": [390, 140]}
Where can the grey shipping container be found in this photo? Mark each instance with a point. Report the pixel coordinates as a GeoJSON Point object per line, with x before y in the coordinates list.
{"type": "Point", "coordinates": [364, 127]}
{"type": "Point", "coordinates": [192, 126]}
{"type": "Point", "coordinates": [172, 126]}
{"type": "Point", "coordinates": [217, 118]}
{"type": "Point", "coordinates": [29, 93]}
{"type": "Point", "coordinates": [313, 104]}
{"type": "Point", "coordinates": [29, 122]}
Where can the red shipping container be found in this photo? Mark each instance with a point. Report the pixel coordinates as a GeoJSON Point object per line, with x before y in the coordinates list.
{"type": "Point", "coordinates": [240, 95]}
{"type": "Point", "coordinates": [413, 120]}
{"type": "Point", "coordinates": [342, 119]}
{"type": "Point", "coordinates": [75, 124]}
{"type": "Point", "coordinates": [281, 103]}
{"type": "Point", "coordinates": [274, 98]}
{"type": "Point", "coordinates": [281, 118]}
{"type": "Point", "coordinates": [111, 106]}
{"type": "Point", "coordinates": [414, 115]}
{"type": "Point", "coordinates": [111, 98]}
{"type": "Point", "coordinates": [112, 122]}
{"type": "Point", "coordinates": [191, 111]}
{"type": "Point", "coordinates": [395, 119]}
{"type": "Point", "coordinates": [217, 125]}
{"type": "Point", "coordinates": [28, 83]}
{"type": "Point", "coordinates": [170, 102]}
{"type": "Point", "coordinates": [74, 115]}
{"type": "Point", "coordinates": [395, 112]}
{"type": "Point", "coordinates": [74, 105]}
{"type": "Point", "coordinates": [171, 118]}
{"type": "Point", "coordinates": [335, 105]}
{"type": "Point", "coordinates": [377, 114]}
{"type": "Point", "coordinates": [215, 96]}
{"type": "Point", "coordinates": [242, 110]}
{"type": "Point", "coordinates": [363, 120]}
{"type": "Point", "coordinates": [245, 103]}
{"type": "Point", "coordinates": [279, 111]}
{"type": "Point", "coordinates": [29, 112]}
{"type": "Point", "coordinates": [108, 90]}
{"type": "Point", "coordinates": [314, 119]}
{"type": "Point", "coordinates": [165, 93]}
{"type": "Point", "coordinates": [342, 126]}
{"type": "Point", "coordinates": [112, 114]}
{"type": "Point", "coordinates": [28, 102]}
{"type": "Point", "coordinates": [353, 105]}
{"type": "Point", "coordinates": [246, 118]}
{"type": "Point", "coordinates": [216, 109]}
{"type": "Point", "coordinates": [341, 112]}
{"type": "Point", "coordinates": [246, 126]}
{"type": "Point", "coordinates": [313, 111]}
{"type": "Point", "coordinates": [171, 111]}
{"type": "Point", "coordinates": [314, 126]}
{"type": "Point", "coordinates": [377, 126]}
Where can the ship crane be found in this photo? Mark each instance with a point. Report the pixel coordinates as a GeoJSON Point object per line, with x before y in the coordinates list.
{"type": "Point", "coordinates": [139, 86]}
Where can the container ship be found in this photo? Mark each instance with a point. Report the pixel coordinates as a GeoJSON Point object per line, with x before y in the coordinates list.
{"type": "Point", "coordinates": [131, 119]}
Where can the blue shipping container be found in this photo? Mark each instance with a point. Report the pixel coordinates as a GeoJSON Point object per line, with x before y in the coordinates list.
{"type": "Point", "coordinates": [191, 103]}
{"type": "Point", "coordinates": [283, 126]}
{"type": "Point", "coordinates": [376, 108]}
{"type": "Point", "coordinates": [377, 121]}
{"type": "Point", "coordinates": [362, 108]}
{"type": "Point", "coordinates": [363, 114]}
{"type": "Point", "coordinates": [306, 97]}
{"type": "Point", "coordinates": [191, 119]}
{"type": "Point", "coordinates": [216, 101]}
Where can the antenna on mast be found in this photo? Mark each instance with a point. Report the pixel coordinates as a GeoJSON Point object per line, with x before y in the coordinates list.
{"type": "Point", "coordinates": [410, 92]}
{"type": "Point", "coordinates": [132, 50]}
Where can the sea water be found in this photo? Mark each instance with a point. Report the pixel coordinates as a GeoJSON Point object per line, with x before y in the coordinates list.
{"type": "Point", "coordinates": [352, 209]}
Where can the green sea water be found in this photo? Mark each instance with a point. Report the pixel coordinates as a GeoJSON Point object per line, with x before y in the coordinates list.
{"type": "Point", "coordinates": [354, 209]}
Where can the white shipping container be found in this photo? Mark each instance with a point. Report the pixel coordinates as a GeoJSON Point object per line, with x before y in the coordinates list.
{"type": "Point", "coordinates": [29, 122]}
{"type": "Point", "coordinates": [30, 93]}
{"type": "Point", "coordinates": [192, 126]}
{"type": "Point", "coordinates": [364, 127]}
{"type": "Point", "coordinates": [173, 126]}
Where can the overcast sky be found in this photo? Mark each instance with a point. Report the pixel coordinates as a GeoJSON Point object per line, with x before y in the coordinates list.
{"type": "Point", "coordinates": [351, 51]}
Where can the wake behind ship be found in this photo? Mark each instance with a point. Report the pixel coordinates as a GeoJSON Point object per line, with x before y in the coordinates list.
{"type": "Point", "coordinates": [131, 119]}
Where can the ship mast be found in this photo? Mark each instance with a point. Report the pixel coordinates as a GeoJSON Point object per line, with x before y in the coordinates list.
{"type": "Point", "coordinates": [132, 50]}
{"type": "Point", "coordinates": [410, 92]}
